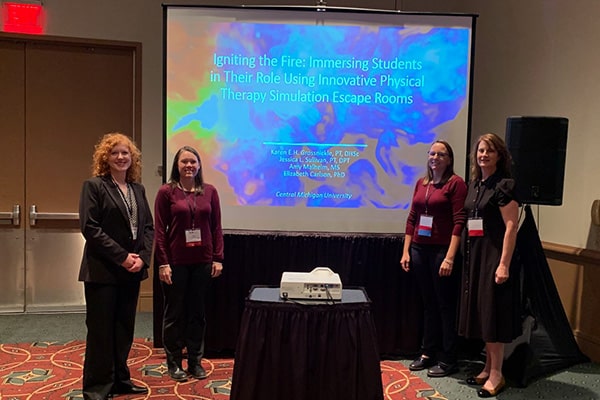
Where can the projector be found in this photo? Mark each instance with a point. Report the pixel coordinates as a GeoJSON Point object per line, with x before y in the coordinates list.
{"type": "Point", "coordinates": [319, 284]}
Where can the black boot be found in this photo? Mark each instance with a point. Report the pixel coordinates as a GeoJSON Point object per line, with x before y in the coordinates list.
{"type": "Point", "coordinates": [195, 368]}
{"type": "Point", "coordinates": [175, 369]}
{"type": "Point", "coordinates": [177, 373]}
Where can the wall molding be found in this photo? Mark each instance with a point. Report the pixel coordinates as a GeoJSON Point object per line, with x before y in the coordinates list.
{"type": "Point", "coordinates": [570, 254]}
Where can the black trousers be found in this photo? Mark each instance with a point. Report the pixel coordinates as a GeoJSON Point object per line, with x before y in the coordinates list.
{"type": "Point", "coordinates": [440, 299]}
{"type": "Point", "coordinates": [184, 322]}
{"type": "Point", "coordinates": [110, 321]}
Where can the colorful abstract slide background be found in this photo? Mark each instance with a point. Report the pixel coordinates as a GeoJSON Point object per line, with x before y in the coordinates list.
{"type": "Point", "coordinates": [307, 115]}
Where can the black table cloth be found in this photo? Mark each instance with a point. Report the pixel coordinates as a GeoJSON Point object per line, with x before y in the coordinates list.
{"type": "Point", "coordinates": [313, 350]}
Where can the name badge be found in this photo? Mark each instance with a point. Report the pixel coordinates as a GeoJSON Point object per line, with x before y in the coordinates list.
{"type": "Point", "coordinates": [425, 225]}
{"type": "Point", "coordinates": [192, 237]}
{"type": "Point", "coordinates": [475, 226]}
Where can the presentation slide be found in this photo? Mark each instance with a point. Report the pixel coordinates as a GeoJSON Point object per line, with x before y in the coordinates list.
{"type": "Point", "coordinates": [312, 120]}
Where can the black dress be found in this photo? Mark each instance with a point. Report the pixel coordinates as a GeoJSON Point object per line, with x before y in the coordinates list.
{"type": "Point", "coordinates": [488, 311]}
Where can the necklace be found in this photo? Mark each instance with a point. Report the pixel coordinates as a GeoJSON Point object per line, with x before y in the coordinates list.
{"type": "Point", "coordinates": [193, 189]}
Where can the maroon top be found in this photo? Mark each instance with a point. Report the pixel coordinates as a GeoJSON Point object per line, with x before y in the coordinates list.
{"type": "Point", "coordinates": [174, 212]}
{"type": "Point", "coordinates": [445, 203]}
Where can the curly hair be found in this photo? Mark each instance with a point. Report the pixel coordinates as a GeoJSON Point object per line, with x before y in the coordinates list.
{"type": "Point", "coordinates": [504, 163]}
{"type": "Point", "coordinates": [102, 151]}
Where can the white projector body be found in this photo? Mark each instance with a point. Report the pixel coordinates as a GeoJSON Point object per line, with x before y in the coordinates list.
{"type": "Point", "coordinates": [319, 284]}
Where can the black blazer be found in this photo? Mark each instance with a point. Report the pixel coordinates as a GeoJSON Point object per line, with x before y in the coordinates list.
{"type": "Point", "coordinates": [108, 239]}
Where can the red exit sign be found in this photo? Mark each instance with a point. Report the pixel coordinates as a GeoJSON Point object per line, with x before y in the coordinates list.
{"type": "Point", "coordinates": [23, 18]}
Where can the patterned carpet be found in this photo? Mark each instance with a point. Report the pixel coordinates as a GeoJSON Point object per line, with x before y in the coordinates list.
{"type": "Point", "coordinates": [52, 370]}
{"type": "Point", "coordinates": [400, 384]}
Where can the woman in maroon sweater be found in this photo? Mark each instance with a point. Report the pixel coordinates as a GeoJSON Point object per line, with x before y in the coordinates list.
{"type": "Point", "coordinates": [431, 243]}
{"type": "Point", "coordinates": [189, 252]}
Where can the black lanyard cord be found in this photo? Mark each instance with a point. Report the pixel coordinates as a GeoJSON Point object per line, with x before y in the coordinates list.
{"type": "Point", "coordinates": [127, 200]}
{"type": "Point", "coordinates": [130, 204]}
{"type": "Point", "coordinates": [427, 196]}
{"type": "Point", "coordinates": [478, 199]}
{"type": "Point", "coordinates": [191, 204]}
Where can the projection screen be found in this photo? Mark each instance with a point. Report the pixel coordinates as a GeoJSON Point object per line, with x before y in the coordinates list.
{"type": "Point", "coordinates": [315, 119]}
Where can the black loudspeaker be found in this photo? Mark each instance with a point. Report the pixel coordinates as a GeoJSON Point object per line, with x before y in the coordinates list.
{"type": "Point", "coordinates": [538, 146]}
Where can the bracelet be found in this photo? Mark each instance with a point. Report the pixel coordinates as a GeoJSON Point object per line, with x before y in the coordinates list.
{"type": "Point", "coordinates": [163, 266]}
{"type": "Point", "coordinates": [448, 261]}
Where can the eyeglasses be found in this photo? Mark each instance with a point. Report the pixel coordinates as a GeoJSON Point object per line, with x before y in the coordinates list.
{"type": "Point", "coordinates": [437, 153]}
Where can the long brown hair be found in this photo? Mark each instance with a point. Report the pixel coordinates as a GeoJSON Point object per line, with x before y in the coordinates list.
{"type": "Point", "coordinates": [176, 177]}
{"type": "Point", "coordinates": [449, 172]}
{"type": "Point", "coordinates": [504, 158]}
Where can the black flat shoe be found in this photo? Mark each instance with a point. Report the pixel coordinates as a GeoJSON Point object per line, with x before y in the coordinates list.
{"type": "Point", "coordinates": [420, 364]}
{"type": "Point", "coordinates": [132, 389]}
{"type": "Point", "coordinates": [441, 370]}
{"type": "Point", "coordinates": [475, 381]}
{"type": "Point", "coordinates": [484, 393]}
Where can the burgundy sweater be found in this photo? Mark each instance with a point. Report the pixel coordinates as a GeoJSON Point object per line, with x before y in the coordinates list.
{"type": "Point", "coordinates": [173, 215]}
{"type": "Point", "coordinates": [445, 203]}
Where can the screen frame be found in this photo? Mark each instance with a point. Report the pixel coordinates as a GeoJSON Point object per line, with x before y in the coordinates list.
{"type": "Point", "coordinates": [328, 13]}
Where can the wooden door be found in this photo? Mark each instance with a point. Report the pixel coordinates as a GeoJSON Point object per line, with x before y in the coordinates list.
{"type": "Point", "coordinates": [74, 92]}
{"type": "Point", "coordinates": [12, 176]}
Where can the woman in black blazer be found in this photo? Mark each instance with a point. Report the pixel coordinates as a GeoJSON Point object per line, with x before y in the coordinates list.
{"type": "Point", "coordinates": [116, 223]}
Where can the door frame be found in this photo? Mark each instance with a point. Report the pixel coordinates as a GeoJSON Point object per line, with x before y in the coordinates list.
{"type": "Point", "coordinates": [134, 49]}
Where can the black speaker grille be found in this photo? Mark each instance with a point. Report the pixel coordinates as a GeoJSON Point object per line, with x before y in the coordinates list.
{"type": "Point", "coordinates": [538, 146]}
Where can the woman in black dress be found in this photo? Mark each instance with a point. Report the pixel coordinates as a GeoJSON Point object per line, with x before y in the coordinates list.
{"type": "Point", "coordinates": [489, 305]}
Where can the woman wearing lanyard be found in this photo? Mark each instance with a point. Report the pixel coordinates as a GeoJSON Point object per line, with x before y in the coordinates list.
{"type": "Point", "coordinates": [431, 242]}
{"type": "Point", "coordinates": [116, 223]}
{"type": "Point", "coordinates": [490, 305]}
{"type": "Point", "coordinates": [189, 252]}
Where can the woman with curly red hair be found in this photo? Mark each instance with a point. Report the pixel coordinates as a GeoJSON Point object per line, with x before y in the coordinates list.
{"type": "Point", "coordinates": [116, 222]}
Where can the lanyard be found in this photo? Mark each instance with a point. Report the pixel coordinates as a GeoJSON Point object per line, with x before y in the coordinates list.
{"type": "Point", "coordinates": [478, 199]}
{"type": "Point", "coordinates": [191, 204]}
{"type": "Point", "coordinates": [427, 196]}
{"type": "Point", "coordinates": [128, 201]}
{"type": "Point", "coordinates": [130, 206]}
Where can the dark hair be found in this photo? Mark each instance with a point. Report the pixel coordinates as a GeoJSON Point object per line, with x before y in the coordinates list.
{"type": "Point", "coordinates": [175, 176]}
{"type": "Point", "coordinates": [449, 172]}
{"type": "Point", "coordinates": [504, 158]}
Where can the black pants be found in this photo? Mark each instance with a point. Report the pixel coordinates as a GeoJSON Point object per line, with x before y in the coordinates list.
{"type": "Point", "coordinates": [110, 321]}
{"type": "Point", "coordinates": [184, 322]}
{"type": "Point", "coordinates": [440, 299]}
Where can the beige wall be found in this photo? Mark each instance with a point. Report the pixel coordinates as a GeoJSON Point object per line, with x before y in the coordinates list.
{"type": "Point", "coordinates": [537, 57]}
{"type": "Point", "coordinates": [552, 71]}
